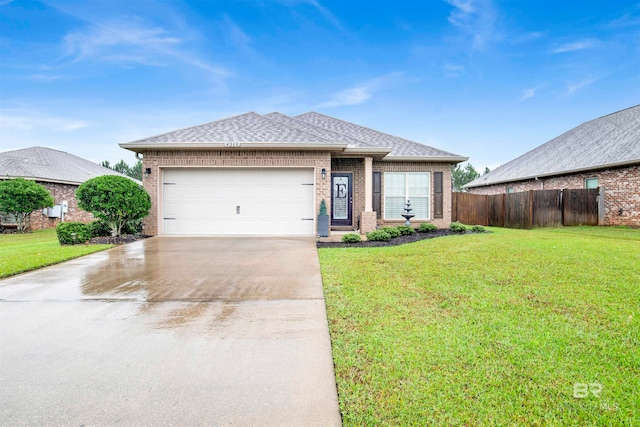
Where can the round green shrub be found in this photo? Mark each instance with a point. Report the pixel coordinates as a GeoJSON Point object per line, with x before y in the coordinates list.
{"type": "Point", "coordinates": [393, 231]}
{"type": "Point", "coordinates": [378, 235]}
{"type": "Point", "coordinates": [478, 229]}
{"type": "Point", "coordinates": [426, 227]}
{"type": "Point", "coordinates": [405, 230]}
{"type": "Point", "coordinates": [457, 227]}
{"type": "Point", "coordinates": [351, 238]}
{"type": "Point", "coordinates": [64, 231]}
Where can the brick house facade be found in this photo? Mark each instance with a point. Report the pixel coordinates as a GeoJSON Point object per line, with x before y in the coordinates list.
{"type": "Point", "coordinates": [60, 193]}
{"type": "Point", "coordinates": [190, 173]}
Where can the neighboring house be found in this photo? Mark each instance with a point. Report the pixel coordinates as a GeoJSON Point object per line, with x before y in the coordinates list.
{"type": "Point", "coordinates": [59, 172]}
{"type": "Point", "coordinates": [604, 153]}
{"type": "Point", "coordinates": [267, 174]}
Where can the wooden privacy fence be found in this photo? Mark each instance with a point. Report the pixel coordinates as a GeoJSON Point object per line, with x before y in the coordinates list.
{"type": "Point", "coordinates": [528, 209]}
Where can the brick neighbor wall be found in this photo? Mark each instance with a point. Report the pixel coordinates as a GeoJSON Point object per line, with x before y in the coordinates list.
{"type": "Point", "coordinates": [60, 192]}
{"type": "Point", "coordinates": [155, 160]}
{"type": "Point", "coordinates": [621, 191]}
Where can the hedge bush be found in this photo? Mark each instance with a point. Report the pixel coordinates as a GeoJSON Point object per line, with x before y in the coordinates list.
{"type": "Point", "coordinates": [351, 238]}
{"type": "Point", "coordinates": [405, 230]}
{"type": "Point", "coordinates": [64, 231]}
{"type": "Point", "coordinates": [426, 227]}
{"type": "Point", "coordinates": [457, 227]}
{"type": "Point", "coordinates": [392, 231]}
{"type": "Point", "coordinates": [378, 235]}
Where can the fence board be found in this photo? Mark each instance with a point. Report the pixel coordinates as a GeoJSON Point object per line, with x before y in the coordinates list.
{"type": "Point", "coordinates": [580, 206]}
{"type": "Point", "coordinates": [496, 210]}
{"type": "Point", "coordinates": [547, 208]}
{"type": "Point", "coordinates": [470, 208]}
{"type": "Point", "coordinates": [517, 210]}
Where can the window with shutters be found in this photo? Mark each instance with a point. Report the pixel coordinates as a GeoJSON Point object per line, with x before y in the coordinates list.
{"type": "Point", "coordinates": [402, 186]}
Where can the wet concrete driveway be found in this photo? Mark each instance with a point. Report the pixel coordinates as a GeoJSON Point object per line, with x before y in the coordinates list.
{"type": "Point", "coordinates": [170, 331]}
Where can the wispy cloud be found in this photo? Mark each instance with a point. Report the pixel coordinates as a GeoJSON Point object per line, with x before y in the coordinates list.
{"type": "Point", "coordinates": [452, 70]}
{"type": "Point", "coordinates": [328, 15]}
{"type": "Point", "coordinates": [235, 34]}
{"type": "Point", "coordinates": [477, 18]}
{"type": "Point", "coordinates": [132, 41]}
{"type": "Point", "coordinates": [575, 45]}
{"type": "Point", "coordinates": [528, 93]}
{"type": "Point", "coordinates": [45, 77]}
{"type": "Point", "coordinates": [361, 92]}
{"type": "Point", "coordinates": [575, 86]}
{"type": "Point", "coordinates": [16, 120]}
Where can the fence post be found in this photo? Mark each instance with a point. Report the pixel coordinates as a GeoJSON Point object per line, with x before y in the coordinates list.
{"type": "Point", "coordinates": [601, 206]}
{"type": "Point", "coordinates": [531, 222]}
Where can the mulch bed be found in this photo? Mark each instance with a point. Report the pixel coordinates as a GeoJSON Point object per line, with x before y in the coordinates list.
{"type": "Point", "coordinates": [415, 237]}
{"type": "Point", "coordinates": [118, 240]}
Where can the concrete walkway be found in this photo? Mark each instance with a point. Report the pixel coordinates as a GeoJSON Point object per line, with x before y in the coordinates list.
{"type": "Point", "coordinates": [170, 331]}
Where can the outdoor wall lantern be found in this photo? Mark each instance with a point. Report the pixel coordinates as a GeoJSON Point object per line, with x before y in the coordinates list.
{"type": "Point", "coordinates": [324, 173]}
{"type": "Point", "coordinates": [147, 172]}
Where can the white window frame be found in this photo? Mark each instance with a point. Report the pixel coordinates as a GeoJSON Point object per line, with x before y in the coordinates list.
{"type": "Point", "coordinates": [407, 195]}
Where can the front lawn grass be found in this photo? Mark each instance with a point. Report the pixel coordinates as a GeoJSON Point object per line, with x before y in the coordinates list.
{"type": "Point", "coordinates": [25, 252]}
{"type": "Point", "coordinates": [489, 329]}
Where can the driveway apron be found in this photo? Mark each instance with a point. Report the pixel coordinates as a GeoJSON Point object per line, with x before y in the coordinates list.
{"type": "Point", "coordinates": [170, 331]}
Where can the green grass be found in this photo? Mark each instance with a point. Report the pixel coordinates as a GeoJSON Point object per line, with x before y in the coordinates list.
{"type": "Point", "coordinates": [488, 329]}
{"type": "Point", "coordinates": [25, 252]}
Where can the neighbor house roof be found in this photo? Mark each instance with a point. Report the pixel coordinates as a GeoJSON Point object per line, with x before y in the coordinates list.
{"type": "Point", "coordinates": [311, 131]}
{"type": "Point", "coordinates": [609, 141]}
{"type": "Point", "coordinates": [47, 165]}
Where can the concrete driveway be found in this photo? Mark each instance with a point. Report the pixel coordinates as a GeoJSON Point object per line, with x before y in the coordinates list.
{"type": "Point", "coordinates": [170, 331]}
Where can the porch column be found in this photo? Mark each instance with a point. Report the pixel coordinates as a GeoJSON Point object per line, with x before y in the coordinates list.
{"type": "Point", "coordinates": [368, 184]}
{"type": "Point", "coordinates": [368, 217]}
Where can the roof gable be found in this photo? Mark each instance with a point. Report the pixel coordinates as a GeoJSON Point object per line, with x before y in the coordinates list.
{"type": "Point", "coordinates": [611, 140]}
{"type": "Point", "coordinates": [48, 165]}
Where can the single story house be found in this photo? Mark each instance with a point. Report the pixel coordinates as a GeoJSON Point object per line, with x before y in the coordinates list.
{"type": "Point", "coordinates": [268, 174]}
{"type": "Point", "coordinates": [59, 172]}
{"type": "Point", "coordinates": [603, 152]}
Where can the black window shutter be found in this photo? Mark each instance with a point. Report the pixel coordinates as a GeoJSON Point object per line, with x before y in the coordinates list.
{"type": "Point", "coordinates": [437, 192]}
{"type": "Point", "coordinates": [377, 193]}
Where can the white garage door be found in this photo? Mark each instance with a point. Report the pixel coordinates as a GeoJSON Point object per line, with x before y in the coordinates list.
{"type": "Point", "coordinates": [238, 201]}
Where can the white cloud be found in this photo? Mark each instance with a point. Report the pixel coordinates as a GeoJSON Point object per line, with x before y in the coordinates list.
{"type": "Point", "coordinates": [475, 17]}
{"type": "Point", "coordinates": [236, 35]}
{"type": "Point", "coordinates": [132, 41]}
{"type": "Point", "coordinates": [528, 93]}
{"type": "Point", "coordinates": [573, 46]}
{"type": "Point", "coordinates": [575, 86]}
{"type": "Point", "coordinates": [319, 7]}
{"type": "Point", "coordinates": [452, 70]}
{"type": "Point", "coordinates": [12, 120]}
{"type": "Point", "coordinates": [361, 92]}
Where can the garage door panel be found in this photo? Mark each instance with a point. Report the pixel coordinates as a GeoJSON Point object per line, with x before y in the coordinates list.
{"type": "Point", "coordinates": [270, 201]}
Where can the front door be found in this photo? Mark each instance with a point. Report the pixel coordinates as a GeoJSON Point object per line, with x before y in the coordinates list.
{"type": "Point", "coordinates": [341, 199]}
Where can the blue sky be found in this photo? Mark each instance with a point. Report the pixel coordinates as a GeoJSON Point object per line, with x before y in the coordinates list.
{"type": "Point", "coordinates": [486, 79]}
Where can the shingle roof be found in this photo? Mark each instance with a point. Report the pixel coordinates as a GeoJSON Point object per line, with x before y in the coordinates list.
{"type": "Point", "coordinates": [307, 130]}
{"type": "Point", "coordinates": [400, 147]}
{"type": "Point", "coordinates": [45, 164]}
{"type": "Point", "coordinates": [608, 141]}
{"type": "Point", "coordinates": [248, 127]}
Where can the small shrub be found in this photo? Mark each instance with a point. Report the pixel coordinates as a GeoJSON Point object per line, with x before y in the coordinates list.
{"type": "Point", "coordinates": [378, 235]}
{"type": "Point", "coordinates": [426, 227]}
{"type": "Point", "coordinates": [478, 229]}
{"type": "Point", "coordinates": [351, 238]}
{"type": "Point", "coordinates": [64, 230]}
{"type": "Point", "coordinates": [392, 231]}
{"type": "Point", "coordinates": [133, 226]}
{"type": "Point", "coordinates": [457, 227]}
{"type": "Point", "coordinates": [99, 229]}
{"type": "Point", "coordinates": [405, 230]}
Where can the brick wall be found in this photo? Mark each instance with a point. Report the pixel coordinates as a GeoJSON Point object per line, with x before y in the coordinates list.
{"type": "Point", "coordinates": [445, 168]}
{"type": "Point", "coordinates": [60, 192]}
{"type": "Point", "coordinates": [621, 191]}
{"type": "Point", "coordinates": [155, 160]}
